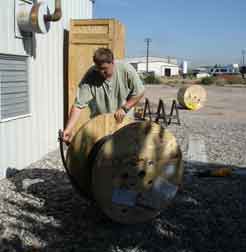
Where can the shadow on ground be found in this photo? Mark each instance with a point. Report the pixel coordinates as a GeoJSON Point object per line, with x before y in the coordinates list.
{"type": "Point", "coordinates": [208, 214]}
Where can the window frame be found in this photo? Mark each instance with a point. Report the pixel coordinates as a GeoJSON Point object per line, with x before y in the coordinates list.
{"type": "Point", "coordinates": [29, 114]}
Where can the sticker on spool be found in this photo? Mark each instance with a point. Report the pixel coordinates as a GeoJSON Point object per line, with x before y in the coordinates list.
{"type": "Point", "coordinates": [166, 190]}
{"type": "Point", "coordinates": [161, 192]}
{"type": "Point", "coordinates": [124, 197]}
{"type": "Point", "coordinates": [169, 170]}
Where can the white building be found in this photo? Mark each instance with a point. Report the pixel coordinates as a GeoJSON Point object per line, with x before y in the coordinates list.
{"type": "Point", "coordinates": [161, 66]}
{"type": "Point", "coordinates": [31, 84]}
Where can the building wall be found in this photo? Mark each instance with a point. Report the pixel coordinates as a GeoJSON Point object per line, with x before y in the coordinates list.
{"type": "Point", "coordinates": [159, 68]}
{"type": "Point", "coordinates": [25, 140]}
{"type": "Point", "coordinates": [174, 70]}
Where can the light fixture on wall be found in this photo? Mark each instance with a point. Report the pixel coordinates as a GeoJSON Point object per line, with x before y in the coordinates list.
{"type": "Point", "coordinates": [36, 17]}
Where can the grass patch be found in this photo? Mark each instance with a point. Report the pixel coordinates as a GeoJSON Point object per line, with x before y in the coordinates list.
{"type": "Point", "coordinates": [150, 78]}
{"type": "Point", "coordinates": [223, 80]}
{"type": "Point", "coordinates": [207, 80]}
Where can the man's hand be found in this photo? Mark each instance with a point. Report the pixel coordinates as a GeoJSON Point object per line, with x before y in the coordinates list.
{"type": "Point", "coordinates": [119, 115]}
{"type": "Point", "coordinates": [67, 136]}
{"type": "Point", "coordinates": [73, 118]}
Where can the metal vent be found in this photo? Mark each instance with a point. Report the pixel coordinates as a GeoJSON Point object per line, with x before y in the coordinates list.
{"type": "Point", "coordinates": [14, 87]}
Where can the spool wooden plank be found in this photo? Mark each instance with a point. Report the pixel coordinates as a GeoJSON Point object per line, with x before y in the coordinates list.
{"type": "Point", "coordinates": [192, 97]}
{"type": "Point", "coordinates": [89, 134]}
{"type": "Point", "coordinates": [137, 172]}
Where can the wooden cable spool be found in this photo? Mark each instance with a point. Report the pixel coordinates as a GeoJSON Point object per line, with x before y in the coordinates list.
{"type": "Point", "coordinates": [79, 153]}
{"type": "Point", "coordinates": [132, 170]}
{"type": "Point", "coordinates": [192, 97]}
{"type": "Point", "coordinates": [137, 172]}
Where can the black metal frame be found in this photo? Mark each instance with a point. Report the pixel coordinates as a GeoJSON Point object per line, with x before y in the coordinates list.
{"type": "Point", "coordinates": [161, 113]}
{"type": "Point", "coordinates": [176, 116]}
{"type": "Point", "coordinates": [147, 110]}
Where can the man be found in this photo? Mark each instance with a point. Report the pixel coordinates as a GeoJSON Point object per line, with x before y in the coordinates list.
{"type": "Point", "coordinates": [107, 87]}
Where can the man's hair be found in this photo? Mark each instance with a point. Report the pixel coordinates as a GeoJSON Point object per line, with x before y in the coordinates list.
{"type": "Point", "coordinates": [103, 55]}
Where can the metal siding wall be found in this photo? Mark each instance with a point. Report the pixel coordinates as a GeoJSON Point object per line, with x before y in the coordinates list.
{"type": "Point", "coordinates": [27, 139]}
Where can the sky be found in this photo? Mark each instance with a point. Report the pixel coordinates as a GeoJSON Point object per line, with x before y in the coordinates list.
{"type": "Point", "coordinates": [203, 32]}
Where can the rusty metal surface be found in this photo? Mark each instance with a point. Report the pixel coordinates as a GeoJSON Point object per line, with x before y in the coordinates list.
{"type": "Point", "coordinates": [56, 16]}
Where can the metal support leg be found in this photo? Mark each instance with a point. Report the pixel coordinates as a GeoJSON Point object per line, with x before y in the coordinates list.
{"type": "Point", "coordinates": [161, 113]}
{"type": "Point", "coordinates": [171, 116]}
{"type": "Point", "coordinates": [147, 110]}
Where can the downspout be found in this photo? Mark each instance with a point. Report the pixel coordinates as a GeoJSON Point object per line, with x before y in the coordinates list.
{"type": "Point", "coordinates": [56, 16]}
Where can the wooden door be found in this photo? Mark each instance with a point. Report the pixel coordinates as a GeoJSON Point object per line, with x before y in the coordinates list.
{"type": "Point", "coordinates": [168, 72]}
{"type": "Point", "coordinates": [85, 37]}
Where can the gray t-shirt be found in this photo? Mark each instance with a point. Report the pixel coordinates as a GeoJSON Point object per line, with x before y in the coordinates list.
{"type": "Point", "coordinates": [106, 96]}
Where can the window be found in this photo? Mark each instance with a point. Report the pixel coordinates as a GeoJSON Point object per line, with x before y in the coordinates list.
{"type": "Point", "coordinates": [14, 87]}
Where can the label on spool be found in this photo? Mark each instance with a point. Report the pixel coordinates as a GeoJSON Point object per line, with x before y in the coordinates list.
{"type": "Point", "coordinates": [164, 189]}
{"type": "Point", "coordinates": [169, 170]}
{"type": "Point", "coordinates": [124, 197]}
{"type": "Point", "coordinates": [161, 192]}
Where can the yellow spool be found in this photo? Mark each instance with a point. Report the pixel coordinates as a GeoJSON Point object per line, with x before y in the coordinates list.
{"type": "Point", "coordinates": [192, 97]}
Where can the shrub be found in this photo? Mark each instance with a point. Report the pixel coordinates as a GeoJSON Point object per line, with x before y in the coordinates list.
{"type": "Point", "coordinates": [207, 80]}
{"type": "Point", "coordinates": [150, 78]}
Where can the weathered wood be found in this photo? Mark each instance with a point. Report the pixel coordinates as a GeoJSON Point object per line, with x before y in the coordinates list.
{"type": "Point", "coordinates": [128, 167]}
{"type": "Point", "coordinates": [192, 97]}
{"type": "Point", "coordinates": [80, 148]}
{"type": "Point", "coordinates": [84, 38]}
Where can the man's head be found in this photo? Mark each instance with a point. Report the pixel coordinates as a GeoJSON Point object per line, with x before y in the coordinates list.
{"type": "Point", "coordinates": [104, 61]}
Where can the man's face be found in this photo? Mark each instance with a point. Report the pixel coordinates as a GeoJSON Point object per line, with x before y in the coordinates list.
{"type": "Point", "coordinates": [106, 70]}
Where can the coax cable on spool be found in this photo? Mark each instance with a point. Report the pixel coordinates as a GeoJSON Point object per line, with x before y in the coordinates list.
{"type": "Point", "coordinates": [72, 180]}
{"type": "Point", "coordinates": [91, 157]}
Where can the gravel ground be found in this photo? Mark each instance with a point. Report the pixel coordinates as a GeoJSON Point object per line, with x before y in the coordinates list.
{"type": "Point", "coordinates": [40, 211]}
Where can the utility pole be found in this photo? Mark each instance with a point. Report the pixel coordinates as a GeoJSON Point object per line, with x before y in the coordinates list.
{"type": "Point", "coordinates": [243, 67]}
{"type": "Point", "coordinates": [147, 40]}
{"type": "Point", "coordinates": [243, 55]}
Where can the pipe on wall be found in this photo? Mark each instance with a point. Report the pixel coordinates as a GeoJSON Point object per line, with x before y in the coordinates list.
{"type": "Point", "coordinates": [56, 16]}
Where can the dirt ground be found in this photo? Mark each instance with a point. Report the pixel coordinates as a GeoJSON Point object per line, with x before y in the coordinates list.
{"type": "Point", "coordinates": [40, 210]}
{"type": "Point", "coordinates": [224, 103]}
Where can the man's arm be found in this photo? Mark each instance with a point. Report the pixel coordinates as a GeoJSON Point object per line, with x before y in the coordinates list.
{"type": "Point", "coordinates": [73, 118]}
{"type": "Point", "coordinates": [133, 101]}
{"type": "Point", "coordinates": [136, 92]}
{"type": "Point", "coordinates": [130, 103]}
